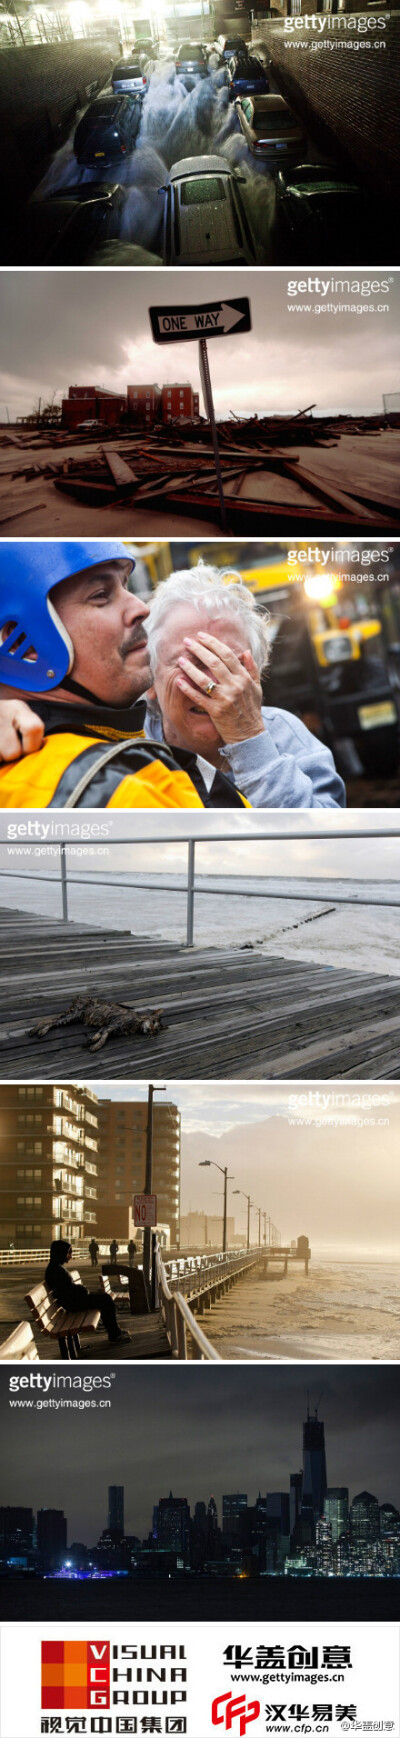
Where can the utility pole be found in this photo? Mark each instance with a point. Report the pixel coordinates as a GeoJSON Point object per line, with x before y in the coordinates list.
{"type": "Point", "coordinates": [148, 1183]}
{"type": "Point", "coordinates": [205, 1164]}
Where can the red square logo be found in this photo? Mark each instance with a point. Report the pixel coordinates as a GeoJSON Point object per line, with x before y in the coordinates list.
{"type": "Point", "coordinates": [75, 1674]}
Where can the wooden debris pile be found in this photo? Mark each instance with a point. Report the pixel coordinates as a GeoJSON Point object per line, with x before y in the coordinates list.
{"type": "Point", "coordinates": [267, 463]}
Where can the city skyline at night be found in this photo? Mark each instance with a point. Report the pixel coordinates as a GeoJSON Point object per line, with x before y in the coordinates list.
{"type": "Point", "coordinates": [195, 1432]}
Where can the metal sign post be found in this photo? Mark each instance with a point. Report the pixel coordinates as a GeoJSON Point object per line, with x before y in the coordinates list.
{"type": "Point", "coordinates": [205, 378]}
{"type": "Point", "coordinates": [144, 1211]}
{"type": "Point", "coordinates": [207, 320]}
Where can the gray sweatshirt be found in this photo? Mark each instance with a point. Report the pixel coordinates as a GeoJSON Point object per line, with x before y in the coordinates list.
{"type": "Point", "coordinates": [285, 768]}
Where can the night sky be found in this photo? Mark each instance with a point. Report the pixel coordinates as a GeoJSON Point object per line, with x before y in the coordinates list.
{"type": "Point", "coordinates": [197, 1432]}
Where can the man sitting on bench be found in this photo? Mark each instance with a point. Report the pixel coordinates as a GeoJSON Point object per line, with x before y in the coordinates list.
{"type": "Point", "coordinates": [76, 1297]}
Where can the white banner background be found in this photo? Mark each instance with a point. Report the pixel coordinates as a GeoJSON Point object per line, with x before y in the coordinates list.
{"type": "Point", "coordinates": [372, 1681]}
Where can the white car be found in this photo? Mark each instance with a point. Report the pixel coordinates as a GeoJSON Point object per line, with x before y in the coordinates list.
{"type": "Point", "coordinates": [205, 220]}
{"type": "Point", "coordinates": [132, 77]}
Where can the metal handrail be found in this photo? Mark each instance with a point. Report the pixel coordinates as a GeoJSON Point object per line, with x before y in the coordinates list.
{"type": "Point", "coordinates": [179, 1321]}
{"type": "Point", "coordinates": [192, 887]}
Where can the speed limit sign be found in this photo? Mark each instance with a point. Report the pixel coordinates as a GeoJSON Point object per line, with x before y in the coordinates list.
{"type": "Point", "coordinates": [144, 1211]}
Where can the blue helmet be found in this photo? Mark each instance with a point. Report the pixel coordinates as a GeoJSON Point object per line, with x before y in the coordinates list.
{"type": "Point", "coordinates": [28, 619]}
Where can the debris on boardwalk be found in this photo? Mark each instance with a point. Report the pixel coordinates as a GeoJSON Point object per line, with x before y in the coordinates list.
{"type": "Point", "coordinates": [230, 1014]}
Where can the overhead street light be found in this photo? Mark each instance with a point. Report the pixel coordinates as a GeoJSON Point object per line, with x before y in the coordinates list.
{"type": "Point", "coordinates": [148, 1184]}
{"type": "Point", "coordinates": [227, 1179]}
{"type": "Point", "coordinates": [249, 1205]}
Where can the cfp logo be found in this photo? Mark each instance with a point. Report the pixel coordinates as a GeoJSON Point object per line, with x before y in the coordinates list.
{"type": "Point", "coordinates": [234, 1708]}
{"type": "Point", "coordinates": [75, 1674]}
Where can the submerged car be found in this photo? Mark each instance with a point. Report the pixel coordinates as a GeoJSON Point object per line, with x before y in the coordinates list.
{"type": "Point", "coordinates": [246, 76]}
{"type": "Point", "coordinates": [226, 46]}
{"type": "Point", "coordinates": [64, 228]}
{"type": "Point", "coordinates": [107, 130]}
{"type": "Point", "coordinates": [269, 127]}
{"type": "Point", "coordinates": [320, 209]}
{"type": "Point", "coordinates": [191, 60]}
{"type": "Point", "coordinates": [133, 75]}
{"type": "Point", "coordinates": [205, 221]}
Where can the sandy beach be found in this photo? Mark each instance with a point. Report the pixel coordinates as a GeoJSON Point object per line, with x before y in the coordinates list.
{"type": "Point", "coordinates": [344, 1311]}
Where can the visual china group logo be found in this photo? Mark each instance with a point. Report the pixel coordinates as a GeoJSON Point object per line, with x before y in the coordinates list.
{"type": "Point", "coordinates": [75, 1674]}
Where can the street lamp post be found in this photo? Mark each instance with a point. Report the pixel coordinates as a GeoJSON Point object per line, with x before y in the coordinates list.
{"type": "Point", "coordinates": [249, 1205]}
{"type": "Point", "coordinates": [227, 1179]}
{"type": "Point", "coordinates": [148, 1184]}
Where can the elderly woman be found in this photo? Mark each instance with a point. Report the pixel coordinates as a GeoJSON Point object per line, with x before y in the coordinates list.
{"type": "Point", "coordinates": [207, 645]}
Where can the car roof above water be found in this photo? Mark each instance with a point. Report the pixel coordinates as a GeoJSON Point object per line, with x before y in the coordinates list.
{"type": "Point", "coordinates": [200, 166]}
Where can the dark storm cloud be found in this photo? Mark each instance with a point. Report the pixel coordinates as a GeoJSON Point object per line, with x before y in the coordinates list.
{"type": "Point", "coordinates": [62, 328]}
{"type": "Point", "coordinates": [197, 1432]}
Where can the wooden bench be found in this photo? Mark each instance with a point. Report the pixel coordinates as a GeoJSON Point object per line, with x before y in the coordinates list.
{"type": "Point", "coordinates": [59, 1324]}
{"type": "Point", "coordinates": [120, 1298]}
{"type": "Point", "coordinates": [20, 1346]}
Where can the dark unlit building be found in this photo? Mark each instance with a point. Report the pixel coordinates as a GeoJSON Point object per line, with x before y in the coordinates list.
{"type": "Point", "coordinates": [144, 404]}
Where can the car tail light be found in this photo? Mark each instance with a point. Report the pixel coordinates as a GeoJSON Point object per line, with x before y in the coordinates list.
{"type": "Point", "coordinates": [178, 63]}
{"type": "Point", "coordinates": [123, 149]}
{"type": "Point", "coordinates": [144, 80]}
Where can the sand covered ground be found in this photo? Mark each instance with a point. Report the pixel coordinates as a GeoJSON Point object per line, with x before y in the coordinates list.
{"type": "Point", "coordinates": [344, 1311]}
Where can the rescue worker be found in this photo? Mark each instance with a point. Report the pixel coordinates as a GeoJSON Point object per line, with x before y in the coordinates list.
{"type": "Point", "coordinates": [73, 642]}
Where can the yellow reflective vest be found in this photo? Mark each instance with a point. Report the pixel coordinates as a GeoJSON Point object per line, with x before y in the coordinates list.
{"type": "Point", "coordinates": [49, 778]}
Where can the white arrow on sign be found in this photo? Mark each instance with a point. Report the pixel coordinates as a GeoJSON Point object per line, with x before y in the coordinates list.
{"type": "Point", "coordinates": [219, 319]}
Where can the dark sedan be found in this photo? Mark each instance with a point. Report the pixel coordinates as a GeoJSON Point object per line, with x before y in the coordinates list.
{"type": "Point", "coordinates": [246, 77]}
{"type": "Point", "coordinates": [323, 213]}
{"type": "Point", "coordinates": [107, 131]}
{"type": "Point", "coordinates": [64, 228]}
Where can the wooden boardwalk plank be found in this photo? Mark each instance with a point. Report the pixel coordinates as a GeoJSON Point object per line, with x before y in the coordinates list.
{"type": "Point", "coordinates": [234, 1013]}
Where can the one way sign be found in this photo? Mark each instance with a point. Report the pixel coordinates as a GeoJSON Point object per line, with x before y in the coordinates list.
{"type": "Point", "coordinates": [208, 320]}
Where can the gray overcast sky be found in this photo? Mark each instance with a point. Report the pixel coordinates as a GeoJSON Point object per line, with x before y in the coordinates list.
{"type": "Point", "coordinates": [65, 327]}
{"type": "Point", "coordinates": [319, 1174]}
{"type": "Point", "coordinates": [247, 855]}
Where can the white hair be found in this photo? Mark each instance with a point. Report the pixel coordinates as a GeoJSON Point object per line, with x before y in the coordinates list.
{"type": "Point", "coordinates": [214, 592]}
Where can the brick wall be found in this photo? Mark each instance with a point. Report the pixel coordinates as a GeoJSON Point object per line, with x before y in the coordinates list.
{"type": "Point", "coordinates": [41, 88]}
{"type": "Point", "coordinates": [349, 98]}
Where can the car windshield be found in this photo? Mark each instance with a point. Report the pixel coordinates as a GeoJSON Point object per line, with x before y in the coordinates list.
{"type": "Point", "coordinates": [191, 51]}
{"type": "Point", "coordinates": [199, 192]}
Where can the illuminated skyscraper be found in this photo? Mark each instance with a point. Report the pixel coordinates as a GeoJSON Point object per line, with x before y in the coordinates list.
{"type": "Point", "coordinates": [336, 1510]}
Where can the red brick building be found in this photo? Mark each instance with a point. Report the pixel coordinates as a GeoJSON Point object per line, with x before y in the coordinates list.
{"type": "Point", "coordinates": [87, 402]}
{"type": "Point", "coordinates": [144, 404]}
{"type": "Point", "coordinates": [178, 402]}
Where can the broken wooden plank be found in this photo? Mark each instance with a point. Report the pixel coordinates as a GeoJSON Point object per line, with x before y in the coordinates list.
{"type": "Point", "coordinates": [122, 474]}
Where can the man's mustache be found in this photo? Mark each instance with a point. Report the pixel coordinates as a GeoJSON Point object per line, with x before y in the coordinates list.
{"type": "Point", "coordinates": [136, 638]}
